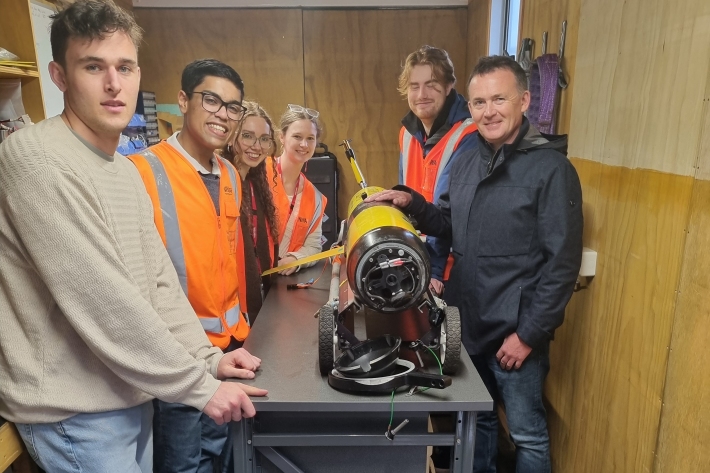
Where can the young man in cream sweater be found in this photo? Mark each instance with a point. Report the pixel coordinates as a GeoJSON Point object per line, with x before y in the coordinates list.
{"type": "Point", "coordinates": [94, 323]}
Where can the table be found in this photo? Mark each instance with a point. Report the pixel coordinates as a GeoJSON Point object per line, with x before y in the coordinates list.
{"type": "Point", "coordinates": [304, 425]}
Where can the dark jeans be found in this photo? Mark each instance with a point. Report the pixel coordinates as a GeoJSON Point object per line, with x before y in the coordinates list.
{"type": "Point", "coordinates": [520, 392]}
{"type": "Point", "coordinates": [188, 441]}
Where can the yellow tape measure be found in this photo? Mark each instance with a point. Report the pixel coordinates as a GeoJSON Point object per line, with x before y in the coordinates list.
{"type": "Point", "coordinates": [325, 254]}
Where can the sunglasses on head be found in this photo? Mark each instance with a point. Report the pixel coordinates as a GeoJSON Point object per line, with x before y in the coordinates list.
{"type": "Point", "coordinates": [299, 109]}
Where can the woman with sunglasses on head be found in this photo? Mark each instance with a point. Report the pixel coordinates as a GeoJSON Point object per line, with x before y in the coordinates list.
{"type": "Point", "coordinates": [299, 205]}
{"type": "Point", "coordinates": [252, 144]}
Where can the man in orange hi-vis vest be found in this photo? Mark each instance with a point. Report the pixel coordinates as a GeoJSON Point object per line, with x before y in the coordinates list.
{"type": "Point", "coordinates": [434, 133]}
{"type": "Point", "coordinates": [195, 196]}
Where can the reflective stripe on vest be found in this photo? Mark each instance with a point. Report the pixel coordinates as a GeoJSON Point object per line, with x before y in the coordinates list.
{"type": "Point", "coordinates": [406, 143]}
{"type": "Point", "coordinates": [173, 240]}
{"type": "Point", "coordinates": [214, 324]}
{"type": "Point", "coordinates": [449, 149]}
{"type": "Point", "coordinates": [318, 210]}
{"type": "Point", "coordinates": [452, 138]}
{"type": "Point", "coordinates": [232, 177]}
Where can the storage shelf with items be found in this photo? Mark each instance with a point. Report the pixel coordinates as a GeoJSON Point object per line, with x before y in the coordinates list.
{"type": "Point", "coordinates": [17, 36]}
{"type": "Point", "coordinates": [142, 131]}
{"type": "Point", "coordinates": [148, 108]}
{"type": "Point", "coordinates": [133, 138]}
{"type": "Point", "coordinates": [9, 72]}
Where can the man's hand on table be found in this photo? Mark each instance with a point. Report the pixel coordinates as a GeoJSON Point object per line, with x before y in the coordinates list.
{"type": "Point", "coordinates": [238, 363]}
{"type": "Point", "coordinates": [231, 402]}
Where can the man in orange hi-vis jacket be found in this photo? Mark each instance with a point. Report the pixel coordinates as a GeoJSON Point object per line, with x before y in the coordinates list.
{"type": "Point", "coordinates": [195, 195]}
{"type": "Point", "coordinates": [434, 133]}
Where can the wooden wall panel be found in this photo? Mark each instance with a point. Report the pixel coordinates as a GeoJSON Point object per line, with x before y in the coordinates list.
{"type": "Point", "coordinates": [685, 427]}
{"type": "Point", "coordinates": [125, 4]}
{"type": "Point", "coordinates": [352, 61]}
{"type": "Point", "coordinates": [609, 358]}
{"type": "Point", "coordinates": [547, 15]}
{"type": "Point", "coordinates": [264, 46]}
{"type": "Point", "coordinates": [637, 103]}
{"type": "Point", "coordinates": [639, 78]}
{"type": "Point", "coordinates": [479, 22]}
{"type": "Point", "coordinates": [685, 420]}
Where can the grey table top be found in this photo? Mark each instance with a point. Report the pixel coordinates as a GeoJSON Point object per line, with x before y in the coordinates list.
{"type": "Point", "coordinates": [285, 337]}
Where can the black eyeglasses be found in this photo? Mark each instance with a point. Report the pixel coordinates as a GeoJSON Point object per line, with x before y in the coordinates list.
{"type": "Point", "coordinates": [213, 103]}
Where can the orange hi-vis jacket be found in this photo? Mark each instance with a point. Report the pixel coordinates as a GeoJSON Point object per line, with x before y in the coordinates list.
{"type": "Point", "coordinates": [422, 173]}
{"type": "Point", "coordinates": [202, 245]}
{"type": "Point", "coordinates": [310, 212]}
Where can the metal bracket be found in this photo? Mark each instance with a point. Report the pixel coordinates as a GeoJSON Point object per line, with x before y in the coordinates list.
{"type": "Point", "coordinates": [279, 460]}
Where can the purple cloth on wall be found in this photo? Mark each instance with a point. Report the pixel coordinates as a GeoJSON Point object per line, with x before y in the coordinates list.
{"type": "Point", "coordinates": [543, 92]}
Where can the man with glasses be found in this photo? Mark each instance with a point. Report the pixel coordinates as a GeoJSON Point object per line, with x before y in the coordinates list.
{"type": "Point", "coordinates": [196, 199]}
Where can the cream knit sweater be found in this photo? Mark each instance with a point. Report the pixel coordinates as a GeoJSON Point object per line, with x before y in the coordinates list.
{"type": "Point", "coordinates": [92, 317]}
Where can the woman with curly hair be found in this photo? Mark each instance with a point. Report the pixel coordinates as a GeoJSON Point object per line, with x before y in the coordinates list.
{"type": "Point", "coordinates": [252, 144]}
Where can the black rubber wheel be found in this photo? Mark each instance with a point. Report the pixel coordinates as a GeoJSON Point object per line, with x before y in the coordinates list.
{"type": "Point", "coordinates": [326, 345]}
{"type": "Point", "coordinates": [450, 352]}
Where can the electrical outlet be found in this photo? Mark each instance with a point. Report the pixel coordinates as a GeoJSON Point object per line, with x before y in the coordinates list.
{"type": "Point", "coordinates": [589, 263]}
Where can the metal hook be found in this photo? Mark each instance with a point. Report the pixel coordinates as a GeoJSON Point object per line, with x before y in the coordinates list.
{"type": "Point", "coordinates": [561, 53]}
{"type": "Point", "coordinates": [561, 80]}
{"type": "Point", "coordinates": [544, 43]}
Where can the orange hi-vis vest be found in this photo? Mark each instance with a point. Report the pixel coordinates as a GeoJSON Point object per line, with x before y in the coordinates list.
{"type": "Point", "coordinates": [202, 245]}
{"type": "Point", "coordinates": [422, 173]}
{"type": "Point", "coordinates": [310, 211]}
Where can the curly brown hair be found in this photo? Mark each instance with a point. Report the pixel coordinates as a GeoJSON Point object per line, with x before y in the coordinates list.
{"type": "Point", "coordinates": [256, 176]}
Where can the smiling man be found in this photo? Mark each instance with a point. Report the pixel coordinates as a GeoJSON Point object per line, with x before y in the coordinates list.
{"type": "Point", "coordinates": [94, 323]}
{"type": "Point", "coordinates": [514, 214]}
{"type": "Point", "coordinates": [196, 196]}
{"type": "Point", "coordinates": [434, 133]}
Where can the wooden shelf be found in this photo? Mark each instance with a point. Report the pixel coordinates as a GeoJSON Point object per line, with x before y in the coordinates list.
{"type": "Point", "coordinates": [8, 72]}
{"type": "Point", "coordinates": [10, 445]}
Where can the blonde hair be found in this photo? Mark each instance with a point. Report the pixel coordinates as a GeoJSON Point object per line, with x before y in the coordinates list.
{"type": "Point", "coordinates": [291, 116]}
{"type": "Point", "coordinates": [441, 66]}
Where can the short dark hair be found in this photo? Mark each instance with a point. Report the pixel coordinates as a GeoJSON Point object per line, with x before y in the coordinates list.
{"type": "Point", "coordinates": [90, 20]}
{"type": "Point", "coordinates": [195, 72]}
{"type": "Point", "coordinates": [488, 64]}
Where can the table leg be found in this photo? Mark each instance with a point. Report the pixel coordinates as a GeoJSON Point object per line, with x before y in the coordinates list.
{"type": "Point", "coordinates": [464, 443]}
{"type": "Point", "coordinates": [243, 448]}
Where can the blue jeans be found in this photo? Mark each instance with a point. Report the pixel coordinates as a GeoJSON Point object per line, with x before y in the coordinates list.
{"type": "Point", "coordinates": [520, 392]}
{"type": "Point", "coordinates": [104, 442]}
{"type": "Point", "coordinates": [188, 441]}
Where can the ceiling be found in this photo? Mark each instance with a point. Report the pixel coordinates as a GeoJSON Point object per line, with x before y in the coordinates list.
{"type": "Point", "coordinates": [296, 3]}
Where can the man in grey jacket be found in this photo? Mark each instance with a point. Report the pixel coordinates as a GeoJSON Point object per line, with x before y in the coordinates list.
{"type": "Point", "coordinates": [513, 213]}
